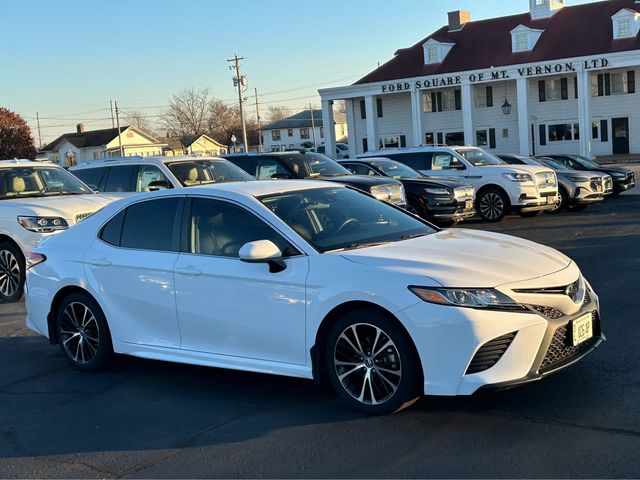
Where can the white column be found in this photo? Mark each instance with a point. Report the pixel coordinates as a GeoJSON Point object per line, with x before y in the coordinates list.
{"type": "Point", "coordinates": [522, 87]}
{"type": "Point", "coordinates": [416, 117]}
{"type": "Point", "coordinates": [584, 112]}
{"type": "Point", "coordinates": [467, 114]}
{"type": "Point", "coordinates": [372, 135]}
{"type": "Point", "coordinates": [351, 127]}
{"type": "Point", "coordinates": [329, 129]}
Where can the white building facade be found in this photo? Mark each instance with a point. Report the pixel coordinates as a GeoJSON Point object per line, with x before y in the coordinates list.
{"type": "Point", "coordinates": [557, 79]}
{"type": "Point", "coordinates": [299, 131]}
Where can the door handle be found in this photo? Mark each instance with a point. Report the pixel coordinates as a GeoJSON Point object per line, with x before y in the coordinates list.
{"type": "Point", "coordinates": [100, 263]}
{"type": "Point", "coordinates": [193, 272]}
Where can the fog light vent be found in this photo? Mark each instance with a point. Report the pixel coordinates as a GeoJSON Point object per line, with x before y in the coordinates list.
{"type": "Point", "coordinates": [489, 353]}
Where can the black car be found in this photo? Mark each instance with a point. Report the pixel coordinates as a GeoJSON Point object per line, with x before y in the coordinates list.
{"type": "Point", "coordinates": [283, 165]}
{"type": "Point", "coordinates": [623, 179]}
{"type": "Point", "coordinates": [440, 201]}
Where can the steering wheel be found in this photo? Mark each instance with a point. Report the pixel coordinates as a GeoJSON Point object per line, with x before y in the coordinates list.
{"type": "Point", "coordinates": [348, 222]}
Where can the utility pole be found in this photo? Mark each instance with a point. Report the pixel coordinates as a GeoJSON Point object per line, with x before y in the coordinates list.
{"type": "Point", "coordinates": [313, 128]}
{"type": "Point", "coordinates": [119, 133]}
{"type": "Point", "coordinates": [113, 122]}
{"type": "Point", "coordinates": [39, 136]}
{"type": "Point", "coordinates": [258, 120]}
{"type": "Point", "coordinates": [240, 82]}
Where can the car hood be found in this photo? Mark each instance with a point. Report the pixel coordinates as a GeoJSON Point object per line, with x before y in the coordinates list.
{"type": "Point", "coordinates": [464, 258]}
{"type": "Point", "coordinates": [360, 180]}
{"type": "Point", "coordinates": [611, 170]}
{"type": "Point", "coordinates": [500, 169]}
{"type": "Point", "coordinates": [578, 173]}
{"type": "Point", "coordinates": [65, 206]}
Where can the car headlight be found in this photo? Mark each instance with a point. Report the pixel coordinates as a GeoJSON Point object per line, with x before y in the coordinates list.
{"type": "Point", "coordinates": [580, 179]}
{"type": "Point", "coordinates": [43, 224]}
{"type": "Point", "coordinates": [467, 297]}
{"type": "Point", "coordinates": [437, 191]}
{"type": "Point", "coordinates": [518, 177]}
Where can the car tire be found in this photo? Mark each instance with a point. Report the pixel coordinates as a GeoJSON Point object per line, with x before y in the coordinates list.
{"type": "Point", "coordinates": [12, 272]}
{"type": "Point", "coordinates": [528, 214]}
{"type": "Point", "coordinates": [564, 201]}
{"type": "Point", "coordinates": [83, 333]}
{"type": "Point", "coordinates": [364, 378]}
{"type": "Point", "coordinates": [492, 205]}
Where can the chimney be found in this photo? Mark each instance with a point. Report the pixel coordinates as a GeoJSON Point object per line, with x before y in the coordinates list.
{"type": "Point", "coordinates": [80, 128]}
{"type": "Point", "coordinates": [457, 20]}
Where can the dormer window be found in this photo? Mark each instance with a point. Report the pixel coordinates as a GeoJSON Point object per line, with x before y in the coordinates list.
{"type": "Point", "coordinates": [524, 39]}
{"type": "Point", "coordinates": [626, 23]}
{"type": "Point", "coordinates": [435, 51]}
{"type": "Point", "coordinates": [544, 8]}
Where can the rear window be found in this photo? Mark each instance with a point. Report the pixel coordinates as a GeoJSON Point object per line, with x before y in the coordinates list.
{"type": "Point", "coordinates": [150, 225]}
{"type": "Point", "coordinates": [91, 176]}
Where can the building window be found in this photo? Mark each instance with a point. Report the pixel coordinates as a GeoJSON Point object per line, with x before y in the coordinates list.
{"type": "Point", "coordinates": [614, 83]}
{"type": "Point", "coordinates": [392, 141]}
{"type": "Point", "coordinates": [595, 130]}
{"type": "Point", "coordinates": [442, 101]}
{"type": "Point", "coordinates": [486, 137]}
{"type": "Point", "coordinates": [551, 90]}
{"type": "Point", "coordinates": [454, 139]}
{"type": "Point", "coordinates": [483, 96]}
{"type": "Point", "coordinates": [522, 42]}
{"type": "Point", "coordinates": [624, 28]}
{"type": "Point", "coordinates": [275, 135]}
{"type": "Point", "coordinates": [379, 107]}
{"type": "Point", "coordinates": [96, 155]}
{"type": "Point", "coordinates": [448, 100]}
{"type": "Point", "coordinates": [432, 55]}
{"type": "Point", "coordinates": [321, 132]}
{"type": "Point", "coordinates": [564, 132]}
{"type": "Point", "coordinates": [290, 132]}
{"type": "Point", "coordinates": [429, 138]}
{"type": "Point", "coordinates": [618, 83]}
{"type": "Point", "coordinates": [291, 146]}
{"type": "Point", "coordinates": [304, 133]}
{"type": "Point", "coordinates": [363, 110]}
{"type": "Point", "coordinates": [540, 2]}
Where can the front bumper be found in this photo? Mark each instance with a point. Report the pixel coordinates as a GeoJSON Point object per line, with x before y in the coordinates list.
{"type": "Point", "coordinates": [537, 204]}
{"type": "Point", "coordinates": [624, 184]}
{"type": "Point", "coordinates": [450, 208]}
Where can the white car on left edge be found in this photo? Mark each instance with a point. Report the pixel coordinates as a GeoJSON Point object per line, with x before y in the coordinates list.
{"type": "Point", "coordinates": [36, 200]}
{"type": "Point", "coordinates": [314, 280]}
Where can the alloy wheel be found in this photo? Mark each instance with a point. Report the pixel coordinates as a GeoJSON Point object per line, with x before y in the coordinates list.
{"type": "Point", "coordinates": [79, 333]}
{"type": "Point", "coordinates": [491, 206]}
{"type": "Point", "coordinates": [367, 363]}
{"type": "Point", "coordinates": [9, 274]}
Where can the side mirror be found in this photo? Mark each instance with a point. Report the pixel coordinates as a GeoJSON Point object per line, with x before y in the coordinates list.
{"type": "Point", "coordinates": [263, 251]}
{"type": "Point", "coordinates": [159, 185]}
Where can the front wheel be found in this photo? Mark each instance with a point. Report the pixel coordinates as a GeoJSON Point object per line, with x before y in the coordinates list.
{"type": "Point", "coordinates": [492, 205]}
{"type": "Point", "coordinates": [372, 363]}
{"type": "Point", "coordinates": [563, 203]}
{"type": "Point", "coordinates": [83, 333]}
{"type": "Point", "coordinates": [12, 272]}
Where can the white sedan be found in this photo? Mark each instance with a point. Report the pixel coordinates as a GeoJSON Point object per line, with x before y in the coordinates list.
{"type": "Point", "coordinates": [312, 280]}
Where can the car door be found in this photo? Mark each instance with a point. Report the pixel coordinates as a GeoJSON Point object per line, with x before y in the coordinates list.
{"type": "Point", "coordinates": [230, 307]}
{"type": "Point", "coordinates": [131, 264]}
{"type": "Point", "coordinates": [120, 178]}
{"type": "Point", "coordinates": [147, 174]}
{"type": "Point", "coordinates": [271, 168]}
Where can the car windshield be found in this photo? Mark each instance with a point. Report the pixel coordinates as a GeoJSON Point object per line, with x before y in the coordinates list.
{"type": "Point", "coordinates": [555, 164]}
{"type": "Point", "coordinates": [394, 169]}
{"type": "Point", "coordinates": [335, 219]}
{"type": "Point", "coordinates": [21, 182]}
{"type": "Point", "coordinates": [478, 157]}
{"type": "Point", "coordinates": [316, 165]}
{"type": "Point", "coordinates": [207, 171]}
{"type": "Point", "coordinates": [342, 146]}
{"type": "Point", "coordinates": [585, 162]}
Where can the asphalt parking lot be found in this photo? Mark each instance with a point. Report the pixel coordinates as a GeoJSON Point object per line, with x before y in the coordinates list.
{"type": "Point", "coordinates": [153, 419]}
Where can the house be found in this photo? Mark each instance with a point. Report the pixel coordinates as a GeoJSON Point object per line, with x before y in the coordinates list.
{"type": "Point", "coordinates": [201, 145]}
{"type": "Point", "coordinates": [83, 146]}
{"type": "Point", "coordinates": [298, 131]}
{"type": "Point", "coordinates": [555, 79]}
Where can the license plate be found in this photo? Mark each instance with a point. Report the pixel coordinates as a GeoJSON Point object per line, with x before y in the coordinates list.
{"type": "Point", "coordinates": [468, 204]}
{"type": "Point", "coordinates": [582, 329]}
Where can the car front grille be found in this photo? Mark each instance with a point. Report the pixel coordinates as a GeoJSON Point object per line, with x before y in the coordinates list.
{"type": "Point", "coordinates": [464, 193]}
{"type": "Point", "coordinates": [489, 353]}
{"type": "Point", "coordinates": [608, 183]}
{"type": "Point", "coordinates": [390, 193]}
{"type": "Point", "coordinates": [546, 180]}
{"type": "Point", "coordinates": [548, 312]}
{"type": "Point", "coordinates": [596, 184]}
{"type": "Point", "coordinates": [81, 216]}
{"type": "Point", "coordinates": [561, 350]}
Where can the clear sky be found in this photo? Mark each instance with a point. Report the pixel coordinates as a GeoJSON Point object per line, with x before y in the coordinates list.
{"type": "Point", "coordinates": [67, 58]}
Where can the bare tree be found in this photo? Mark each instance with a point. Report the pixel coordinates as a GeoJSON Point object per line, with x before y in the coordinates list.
{"type": "Point", "coordinates": [188, 113]}
{"type": "Point", "coordinates": [339, 111]}
{"type": "Point", "coordinates": [139, 120]}
{"type": "Point", "coordinates": [277, 112]}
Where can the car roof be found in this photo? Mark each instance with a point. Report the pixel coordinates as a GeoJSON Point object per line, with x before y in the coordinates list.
{"type": "Point", "coordinates": [22, 162]}
{"type": "Point", "coordinates": [258, 188]}
{"type": "Point", "coordinates": [423, 148]}
{"type": "Point", "coordinates": [138, 159]}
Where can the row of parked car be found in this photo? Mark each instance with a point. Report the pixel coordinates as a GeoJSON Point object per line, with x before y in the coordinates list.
{"type": "Point", "coordinates": [444, 185]}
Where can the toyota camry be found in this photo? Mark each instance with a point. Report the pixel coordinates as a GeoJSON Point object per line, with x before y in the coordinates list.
{"type": "Point", "coordinates": [314, 280]}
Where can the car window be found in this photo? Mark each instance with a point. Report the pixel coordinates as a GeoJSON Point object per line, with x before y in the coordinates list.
{"type": "Point", "coordinates": [119, 179]}
{"type": "Point", "coordinates": [113, 229]}
{"type": "Point", "coordinates": [269, 168]}
{"type": "Point", "coordinates": [415, 160]}
{"type": "Point", "coordinates": [220, 229]}
{"type": "Point", "coordinates": [359, 169]}
{"type": "Point", "coordinates": [207, 171]}
{"type": "Point", "coordinates": [22, 182]}
{"type": "Point", "coordinates": [91, 176]}
{"type": "Point", "coordinates": [445, 161]}
{"type": "Point", "coordinates": [150, 225]}
{"type": "Point", "coordinates": [245, 162]}
{"type": "Point", "coordinates": [320, 149]}
{"type": "Point", "coordinates": [148, 174]}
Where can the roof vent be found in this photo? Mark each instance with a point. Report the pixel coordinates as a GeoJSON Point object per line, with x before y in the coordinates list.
{"type": "Point", "coordinates": [80, 128]}
{"type": "Point", "coordinates": [457, 20]}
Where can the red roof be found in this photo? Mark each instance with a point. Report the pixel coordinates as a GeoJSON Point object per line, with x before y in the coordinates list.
{"type": "Point", "coordinates": [576, 31]}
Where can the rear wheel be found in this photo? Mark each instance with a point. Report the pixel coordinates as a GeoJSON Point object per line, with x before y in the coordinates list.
{"type": "Point", "coordinates": [83, 333]}
{"type": "Point", "coordinates": [372, 363]}
{"type": "Point", "coordinates": [492, 205]}
{"type": "Point", "coordinates": [12, 272]}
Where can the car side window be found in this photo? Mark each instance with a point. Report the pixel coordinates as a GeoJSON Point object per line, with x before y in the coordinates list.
{"type": "Point", "coordinates": [151, 225]}
{"type": "Point", "coordinates": [91, 176]}
{"type": "Point", "coordinates": [148, 174]}
{"type": "Point", "coordinates": [246, 162]}
{"type": "Point", "coordinates": [269, 168]}
{"type": "Point", "coordinates": [445, 161]}
{"type": "Point", "coordinates": [120, 178]}
{"type": "Point", "coordinates": [416, 160]}
{"type": "Point", "coordinates": [220, 229]}
{"type": "Point", "coordinates": [112, 230]}
{"type": "Point", "coordinates": [359, 169]}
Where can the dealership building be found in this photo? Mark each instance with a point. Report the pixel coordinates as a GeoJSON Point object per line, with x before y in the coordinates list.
{"type": "Point", "coordinates": [556, 79]}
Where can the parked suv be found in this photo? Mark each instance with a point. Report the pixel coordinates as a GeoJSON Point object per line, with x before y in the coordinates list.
{"type": "Point", "coordinates": [576, 189]}
{"type": "Point", "coordinates": [36, 200]}
{"type": "Point", "coordinates": [290, 165]}
{"type": "Point", "coordinates": [442, 201]}
{"type": "Point", "coordinates": [144, 174]}
{"type": "Point", "coordinates": [500, 187]}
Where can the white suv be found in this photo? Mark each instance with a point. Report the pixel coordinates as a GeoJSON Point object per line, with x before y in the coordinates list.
{"type": "Point", "coordinates": [501, 187]}
{"type": "Point", "coordinates": [36, 200]}
{"type": "Point", "coordinates": [144, 174]}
